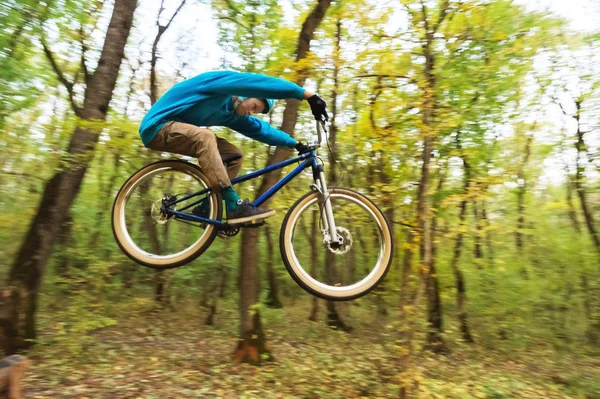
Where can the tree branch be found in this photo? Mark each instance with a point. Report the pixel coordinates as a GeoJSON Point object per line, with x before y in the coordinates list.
{"type": "Point", "coordinates": [412, 226]}
{"type": "Point", "coordinates": [424, 15]}
{"type": "Point", "coordinates": [557, 102]}
{"type": "Point", "coordinates": [161, 30]}
{"type": "Point", "coordinates": [84, 48]}
{"type": "Point", "coordinates": [376, 75]}
{"type": "Point", "coordinates": [160, 10]}
{"type": "Point", "coordinates": [233, 8]}
{"type": "Point", "coordinates": [175, 14]}
{"type": "Point", "coordinates": [235, 21]}
{"type": "Point", "coordinates": [61, 77]}
{"type": "Point", "coordinates": [443, 14]}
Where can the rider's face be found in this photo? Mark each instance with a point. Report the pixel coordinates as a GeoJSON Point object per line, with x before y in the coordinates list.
{"type": "Point", "coordinates": [250, 106]}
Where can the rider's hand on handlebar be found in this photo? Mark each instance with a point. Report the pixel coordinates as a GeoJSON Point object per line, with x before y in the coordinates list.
{"type": "Point", "coordinates": [302, 148]}
{"type": "Point", "coordinates": [318, 107]}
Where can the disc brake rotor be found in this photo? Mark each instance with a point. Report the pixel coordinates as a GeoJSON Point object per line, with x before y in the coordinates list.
{"type": "Point", "coordinates": [346, 238]}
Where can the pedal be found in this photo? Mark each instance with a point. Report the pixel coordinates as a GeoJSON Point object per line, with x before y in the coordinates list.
{"type": "Point", "coordinates": [255, 223]}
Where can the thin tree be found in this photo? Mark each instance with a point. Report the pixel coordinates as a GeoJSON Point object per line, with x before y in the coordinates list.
{"type": "Point", "coordinates": [461, 290]}
{"type": "Point", "coordinates": [272, 300]}
{"type": "Point", "coordinates": [333, 316]}
{"type": "Point", "coordinates": [580, 146]}
{"type": "Point", "coordinates": [160, 278]}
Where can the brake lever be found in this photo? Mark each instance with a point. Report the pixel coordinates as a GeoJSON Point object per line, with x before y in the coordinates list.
{"type": "Point", "coordinates": [323, 126]}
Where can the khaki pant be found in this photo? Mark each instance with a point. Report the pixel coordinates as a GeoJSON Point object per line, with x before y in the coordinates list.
{"type": "Point", "coordinates": [193, 141]}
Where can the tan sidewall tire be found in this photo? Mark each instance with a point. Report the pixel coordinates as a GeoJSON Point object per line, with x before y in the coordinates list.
{"type": "Point", "coordinates": [317, 288]}
{"type": "Point", "coordinates": [132, 250]}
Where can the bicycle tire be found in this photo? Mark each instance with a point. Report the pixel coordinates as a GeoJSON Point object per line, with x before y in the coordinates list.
{"type": "Point", "coordinates": [131, 249]}
{"type": "Point", "coordinates": [302, 276]}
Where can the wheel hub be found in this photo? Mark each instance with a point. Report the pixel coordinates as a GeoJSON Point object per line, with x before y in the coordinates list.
{"type": "Point", "coordinates": [158, 210]}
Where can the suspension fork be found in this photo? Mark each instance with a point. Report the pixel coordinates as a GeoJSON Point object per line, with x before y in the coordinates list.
{"type": "Point", "coordinates": [329, 227]}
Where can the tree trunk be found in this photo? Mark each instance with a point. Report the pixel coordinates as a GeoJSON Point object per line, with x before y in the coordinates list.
{"type": "Point", "coordinates": [333, 316]}
{"type": "Point", "coordinates": [252, 347]}
{"type": "Point", "coordinates": [273, 300]}
{"type": "Point", "coordinates": [579, 186]}
{"type": "Point", "coordinates": [434, 308]}
{"type": "Point", "coordinates": [477, 251]}
{"type": "Point", "coordinates": [387, 203]}
{"type": "Point", "coordinates": [161, 288]}
{"type": "Point", "coordinates": [461, 290]}
{"type": "Point", "coordinates": [249, 348]}
{"type": "Point", "coordinates": [217, 294]}
{"type": "Point", "coordinates": [313, 262]}
{"type": "Point", "coordinates": [571, 211]}
{"type": "Point", "coordinates": [522, 190]}
{"type": "Point", "coordinates": [591, 304]}
{"type": "Point", "coordinates": [423, 231]}
{"type": "Point", "coordinates": [488, 234]}
{"type": "Point", "coordinates": [63, 240]}
{"type": "Point", "coordinates": [9, 320]}
{"type": "Point", "coordinates": [108, 191]}
{"type": "Point", "coordinates": [27, 270]}
{"type": "Point", "coordinates": [434, 339]}
{"type": "Point", "coordinates": [161, 279]}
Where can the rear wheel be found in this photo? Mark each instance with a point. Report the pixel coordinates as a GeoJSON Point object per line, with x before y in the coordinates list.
{"type": "Point", "coordinates": [336, 272]}
{"type": "Point", "coordinates": [146, 233]}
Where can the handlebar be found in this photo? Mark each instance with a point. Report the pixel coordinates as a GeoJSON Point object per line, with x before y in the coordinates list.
{"type": "Point", "coordinates": [320, 124]}
{"type": "Point", "coordinates": [314, 146]}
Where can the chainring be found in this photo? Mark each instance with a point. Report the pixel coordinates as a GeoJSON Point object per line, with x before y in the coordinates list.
{"type": "Point", "coordinates": [228, 232]}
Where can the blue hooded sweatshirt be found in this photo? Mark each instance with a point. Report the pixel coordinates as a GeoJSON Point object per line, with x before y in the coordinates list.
{"type": "Point", "coordinates": [206, 100]}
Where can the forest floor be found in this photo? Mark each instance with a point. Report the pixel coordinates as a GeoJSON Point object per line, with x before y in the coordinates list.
{"type": "Point", "coordinates": [171, 354]}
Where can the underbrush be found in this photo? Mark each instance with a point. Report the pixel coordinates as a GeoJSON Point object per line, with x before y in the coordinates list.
{"type": "Point", "coordinates": [129, 348]}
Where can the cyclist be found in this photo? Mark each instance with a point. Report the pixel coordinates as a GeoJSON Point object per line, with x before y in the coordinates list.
{"type": "Point", "coordinates": [222, 98]}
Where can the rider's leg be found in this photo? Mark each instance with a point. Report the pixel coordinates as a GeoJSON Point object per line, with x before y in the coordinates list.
{"type": "Point", "coordinates": [190, 140]}
{"type": "Point", "coordinates": [228, 149]}
{"type": "Point", "coordinates": [193, 141]}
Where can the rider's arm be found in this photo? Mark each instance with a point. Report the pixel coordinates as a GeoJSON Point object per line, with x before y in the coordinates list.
{"type": "Point", "coordinates": [248, 84]}
{"type": "Point", "coordinates": [260, 130]}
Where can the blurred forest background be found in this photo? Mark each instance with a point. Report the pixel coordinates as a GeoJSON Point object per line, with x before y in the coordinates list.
{"type": "Point", "coordinates": [474, 125]}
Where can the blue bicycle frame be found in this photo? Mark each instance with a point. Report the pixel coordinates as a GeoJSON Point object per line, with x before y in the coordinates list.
{"type": "Point", "coordinates": [309, 161]}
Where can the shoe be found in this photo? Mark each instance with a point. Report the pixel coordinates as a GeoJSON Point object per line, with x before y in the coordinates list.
{"type": "Point", "coordinates": [202, 209]}
{"type": "Point", "coordinates": [247, 212]}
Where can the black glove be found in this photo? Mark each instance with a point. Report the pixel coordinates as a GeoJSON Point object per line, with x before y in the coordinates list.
{"type": "Point", "coordinates": [318, 107]}
{"type": "Point", "coordinates": [301, 148]}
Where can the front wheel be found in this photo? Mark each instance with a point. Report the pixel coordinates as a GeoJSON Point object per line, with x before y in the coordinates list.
{"type": "Point", "coordinates": [336, 272]}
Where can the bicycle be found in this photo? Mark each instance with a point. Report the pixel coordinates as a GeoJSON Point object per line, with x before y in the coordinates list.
{"type": "Point", "coordinates": [352, 231]}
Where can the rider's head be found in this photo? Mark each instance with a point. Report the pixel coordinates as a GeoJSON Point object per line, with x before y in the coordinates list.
{"type": "Point", "coordinates": [252, 106]}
